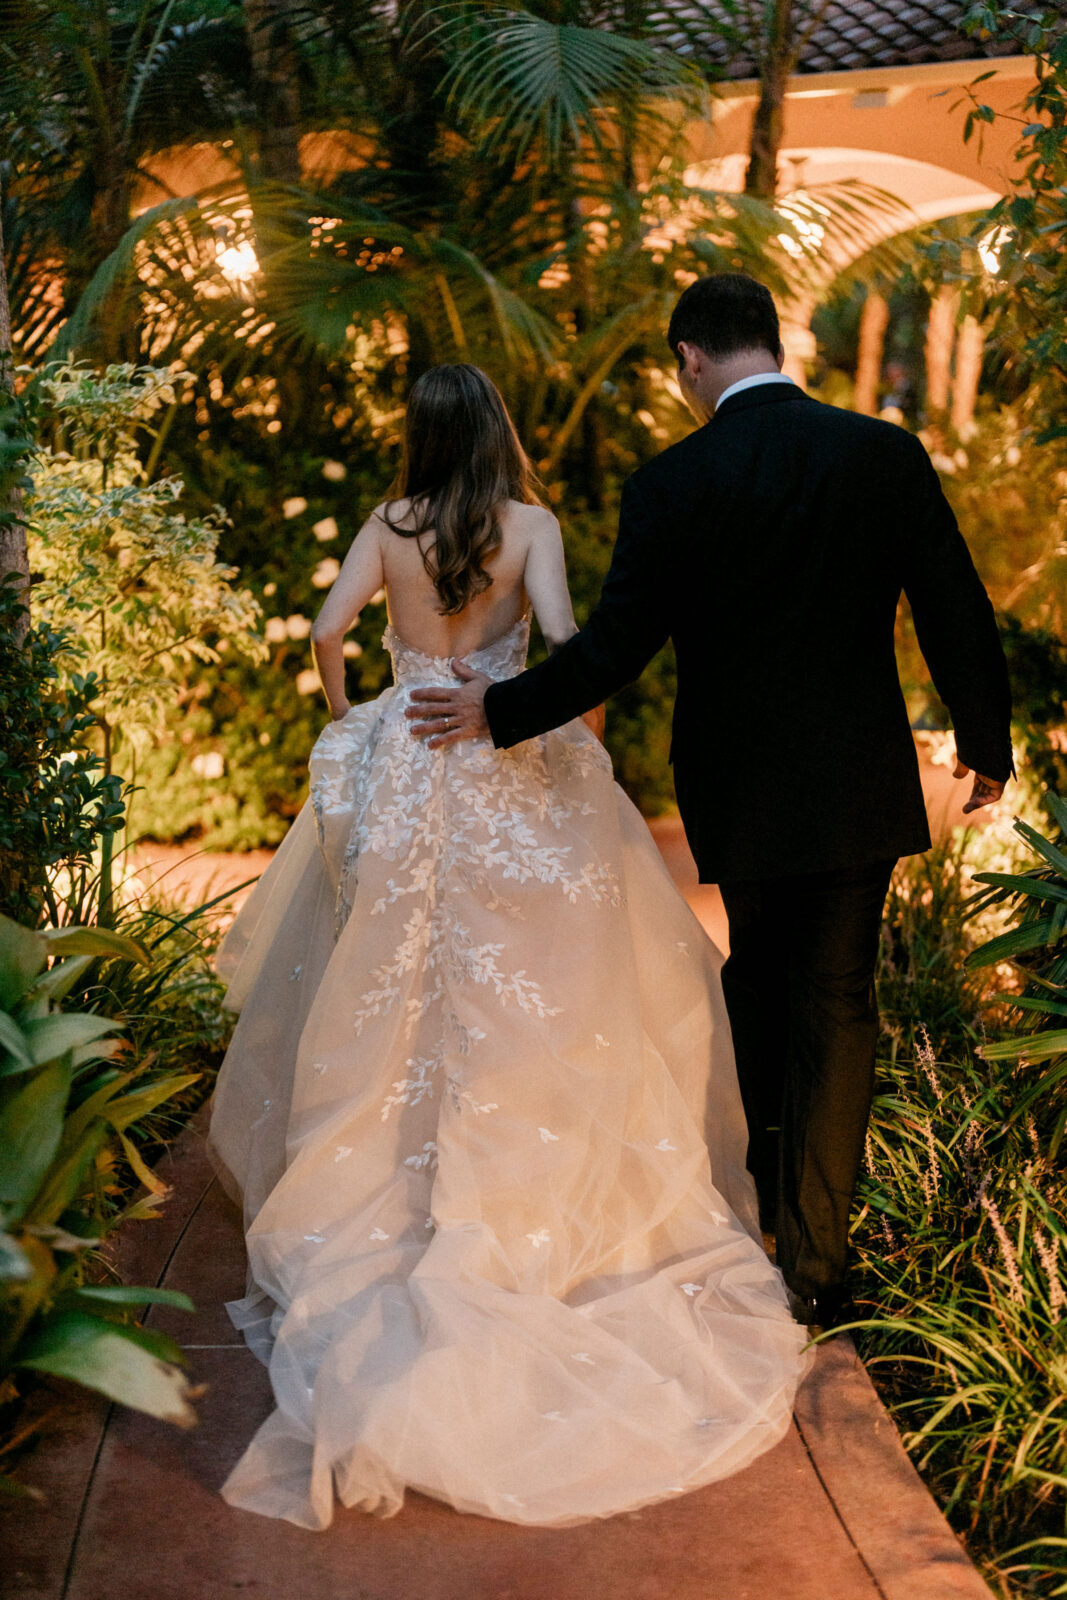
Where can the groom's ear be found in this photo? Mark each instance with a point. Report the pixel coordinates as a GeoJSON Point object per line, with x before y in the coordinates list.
{"type": "Point", "coordinates": [780, 357]}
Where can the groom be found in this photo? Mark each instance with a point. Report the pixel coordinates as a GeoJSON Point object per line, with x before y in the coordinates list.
{"type": "Point", "coordinates": [772, 546]}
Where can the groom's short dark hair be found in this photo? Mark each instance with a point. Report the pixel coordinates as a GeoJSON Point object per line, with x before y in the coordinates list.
{"type": "Point", "coordinates": [723, 314]}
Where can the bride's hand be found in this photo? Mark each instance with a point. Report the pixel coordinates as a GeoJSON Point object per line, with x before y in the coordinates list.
{"type": "Point", "coordinates": [595, 721]}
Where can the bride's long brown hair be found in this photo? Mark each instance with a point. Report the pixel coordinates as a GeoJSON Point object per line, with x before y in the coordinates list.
{"type": "Point", "coordinates": [462, 460]}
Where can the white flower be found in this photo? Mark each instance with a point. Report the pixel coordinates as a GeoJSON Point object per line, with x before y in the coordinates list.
{"type": "Point", "coordinates": [307, 682]}
{"type": "Point", "coordinates": [294, 506]}
{"type": "Point", "coordinates": [297, 627]}
{"type": "Point", "coordinates": [554, 1416]}
{"type": "Point", "coordinates": [314, 1238]}
{"type": "Point", "coordinates": [379, 1234]}
{"type": "Point", "coordinates": [335, 471]}
{"type": "Point", "coordinates": [275, 631]}
{"type": "Point", "coordinates": [602, 1043]}
{"type": "Point", "coordinates": [351, 649]}
{"type": "Point", "coordinates": [209, 765]}
{"type": "Point", "coordinates": [584, 1356]}
{"type": "Point", "coordinates": [692, 1288]}
{"type": "Point", "coordinates": [547, 1134]}
{"type": "Point", "coordinates": [325, 572]}
{"type": "Point", "coordinates": [324, 529]}
{"type": "Point", "coordinates": [542, 1236]}
{"type": "Point", "coordinates": [665, 1144]}
{"type": "Point", "coordinates": [343, 1151]}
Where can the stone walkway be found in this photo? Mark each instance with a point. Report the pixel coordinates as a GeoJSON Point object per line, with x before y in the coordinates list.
{"type": "Point", "coordinates": [130, 1508]}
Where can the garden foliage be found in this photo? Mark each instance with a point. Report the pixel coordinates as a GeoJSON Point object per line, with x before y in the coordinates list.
{"type": "Point", "coordinates": [64, 1100]}
{"type": "Point", "coordinates": [56, 801]}
{"type": "Point", "coordinates": [962, 1232]}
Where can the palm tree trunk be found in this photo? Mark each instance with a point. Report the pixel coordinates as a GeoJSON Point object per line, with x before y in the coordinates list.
{"type": "Point", "coordinates": [969, 351]}
{"type": "Point", "coordinates": [13, 554]}
{"type": "Point", "coordinates": [940, 338]}
{"type": "Point", "coordinates": [276, 89]}
{"type": "Point", "coordinates": [873, 324]}
{"type": "Point", "coordinates": [778, 61]}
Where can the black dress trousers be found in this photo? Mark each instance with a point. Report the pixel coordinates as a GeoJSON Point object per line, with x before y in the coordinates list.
{"type": "Point", "coordinates": [799, 989]}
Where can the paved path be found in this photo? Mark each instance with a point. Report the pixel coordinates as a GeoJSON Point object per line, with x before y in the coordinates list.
{"type": "Point", "coordinates": [131, 1510]}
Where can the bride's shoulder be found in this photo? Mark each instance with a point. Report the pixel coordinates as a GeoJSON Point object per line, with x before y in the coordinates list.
{"type": "Point", "coordinates": [532, 521]}
{"type": "Point", "coordinates": [390, 514]}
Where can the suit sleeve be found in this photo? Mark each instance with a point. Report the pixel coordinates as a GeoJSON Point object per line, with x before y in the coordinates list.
{"type": "Point", "coordinates": [623, 633]}
{"type": "Point", "coordinates": [954, 623]}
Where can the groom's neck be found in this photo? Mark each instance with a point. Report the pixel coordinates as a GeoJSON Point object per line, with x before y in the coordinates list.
{"type": "Point", "coordinates": [720, 375]}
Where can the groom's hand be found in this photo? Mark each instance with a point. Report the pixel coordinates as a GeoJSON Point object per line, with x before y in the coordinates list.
{"type": "Point", "coordinates": [444, 716]}
{"type": "Point", "coordinates": [984, 791]}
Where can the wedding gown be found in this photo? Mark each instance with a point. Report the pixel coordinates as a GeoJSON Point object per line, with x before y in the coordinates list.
{"type": "Point", "coordinates": [481, 1065]}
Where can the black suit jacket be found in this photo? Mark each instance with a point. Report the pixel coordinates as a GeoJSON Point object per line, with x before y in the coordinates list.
{"type": "Point", "coordinates": [772, 546]}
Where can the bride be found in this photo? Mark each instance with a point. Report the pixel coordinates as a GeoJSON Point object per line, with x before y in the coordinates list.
{"type": "Point", "coordinates": [480, 1104]}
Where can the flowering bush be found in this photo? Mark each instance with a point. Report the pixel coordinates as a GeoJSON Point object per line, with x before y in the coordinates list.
{"type": "Point", "coordinates": [119, 560]}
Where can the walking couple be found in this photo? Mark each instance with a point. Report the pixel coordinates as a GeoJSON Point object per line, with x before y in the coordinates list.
{"type": "Point", "coordinates": [505, 1126]}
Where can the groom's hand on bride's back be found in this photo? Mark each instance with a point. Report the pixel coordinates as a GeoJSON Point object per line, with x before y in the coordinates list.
{"type": "Point", "coordinates": [444, 716]}
{"type": "Point", "coordinates": [984, 791]}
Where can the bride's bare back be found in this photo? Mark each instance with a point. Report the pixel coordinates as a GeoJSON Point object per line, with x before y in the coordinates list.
{"type": "Point", "coordinates": [526, 569]}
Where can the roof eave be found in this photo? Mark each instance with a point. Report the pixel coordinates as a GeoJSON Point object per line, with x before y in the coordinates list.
{"type": "Point", "coordinates": [851, 80]}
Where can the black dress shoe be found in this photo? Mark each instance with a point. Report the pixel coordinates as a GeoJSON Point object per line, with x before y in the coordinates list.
{"type": "Point", "coordinates": [821, 1312]}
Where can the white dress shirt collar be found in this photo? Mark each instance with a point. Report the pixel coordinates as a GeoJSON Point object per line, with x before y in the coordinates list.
{"type": "Point", "coordinates": [750, 383]}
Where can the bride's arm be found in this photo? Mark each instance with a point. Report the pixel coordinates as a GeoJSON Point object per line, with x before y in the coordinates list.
{"type": "Point", "coordinates": [360, 577]}
{"type": "Point", "coordinates": [545, 578]}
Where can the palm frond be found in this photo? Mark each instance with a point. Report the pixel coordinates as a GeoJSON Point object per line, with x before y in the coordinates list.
{"type": "Point", "coordinates": [516, 78]}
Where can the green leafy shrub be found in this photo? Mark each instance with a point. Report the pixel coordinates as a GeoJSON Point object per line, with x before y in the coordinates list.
{"type": "Point", "coordinates": [120, 561]}
{"type": "Point", "coordinates": [56, 801]}
{"type": "Point", "coordinates": [63, 1102]}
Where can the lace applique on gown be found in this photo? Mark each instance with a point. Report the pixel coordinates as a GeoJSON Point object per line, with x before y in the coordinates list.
{"type": "Point", "coordinates": [481, 1108]}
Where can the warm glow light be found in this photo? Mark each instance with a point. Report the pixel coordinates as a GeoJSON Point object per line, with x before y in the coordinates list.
{"type": "Point", "coordinates": [238, 261]}
{"type": "Point", "coordinates": [809, 234]}
{"type": "Point", "coordinates": [989, 248]}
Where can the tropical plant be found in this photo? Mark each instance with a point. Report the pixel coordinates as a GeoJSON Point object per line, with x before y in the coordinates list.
{"type": "Point", "coordinates": [1037, 949]}
{"type": "Point", "coordinates": [56, 801]}
{"type": "Point", "coordinates": [89, 95]}
{"type": "Point", "coordinates": [1024, 232]}
{"type": "Point", "coordinates": [961, 1228]}
{"type": "Point", "coordinates": [62, 1100]}
{"type": "Point", "coordinates": [961, 1239]}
